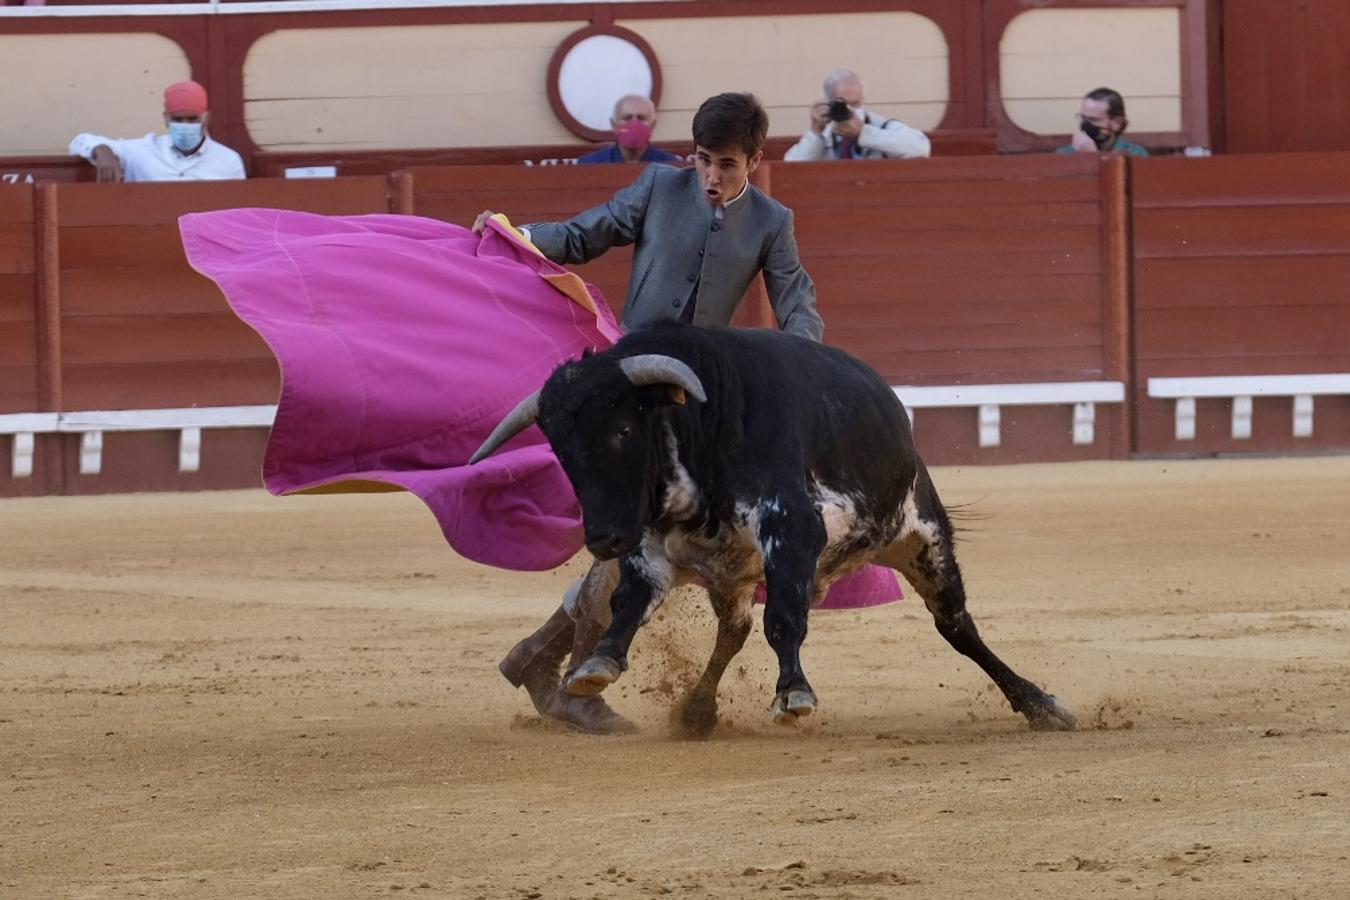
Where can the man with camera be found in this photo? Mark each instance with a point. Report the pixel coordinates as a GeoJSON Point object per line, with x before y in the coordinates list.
{"type": "Point", "coordinates": [1101, 124]}
{"type": "Point", "coordinates": [842, 129]}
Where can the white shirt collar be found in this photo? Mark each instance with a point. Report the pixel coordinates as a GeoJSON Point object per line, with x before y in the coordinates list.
{"type": "Point", "coordinates": [720, 211]}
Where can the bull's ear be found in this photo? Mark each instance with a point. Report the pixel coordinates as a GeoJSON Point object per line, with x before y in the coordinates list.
{"type": "Point", "coordinates": [655, 396]}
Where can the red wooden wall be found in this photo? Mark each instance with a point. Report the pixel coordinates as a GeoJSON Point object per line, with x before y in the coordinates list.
{"type": "Point", "coordinates": [18, 300]}
{"type": "Point", "coordinates": [538, 194]}
{"type": "Point", "coordinates": [1286, 75]}
{"type": "Point", "coordinates": [947, 142]}
{"type": "Point", "coordinates": [125, 323]}
{"type": "Point", "coordinates": [543, 194]}
{"type": "Point", "coordinates": [1242, 267]}
{"type": "Point", "coordinates": [996, 270]}
{"type": "Point", "coordinates": [967, 271]}
{"type": "Point", "coordinates": [134, 314]}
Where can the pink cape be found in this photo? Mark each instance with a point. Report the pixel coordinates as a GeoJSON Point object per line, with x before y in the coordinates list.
{"type": "Point", "coordinates": [402, 341]}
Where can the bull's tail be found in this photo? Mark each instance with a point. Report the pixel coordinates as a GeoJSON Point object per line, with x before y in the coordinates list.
{"type": "Point", "coordinates": [963, 514]}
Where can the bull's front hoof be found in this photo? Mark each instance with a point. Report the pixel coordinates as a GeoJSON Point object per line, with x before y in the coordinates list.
{"type": "Point", "coordinates": [1051, 716]}
{"type": "Point", "coordinates": [790, 706]}
{"type": "Point", "coordinates": [593, 676]}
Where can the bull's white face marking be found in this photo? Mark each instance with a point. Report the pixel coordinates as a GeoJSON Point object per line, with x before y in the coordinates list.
{"type": "Point", "coordinates": [682, 496]}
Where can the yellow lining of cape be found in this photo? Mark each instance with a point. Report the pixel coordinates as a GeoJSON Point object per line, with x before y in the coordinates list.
{"type": "Point", "coordinates": [569, 284]}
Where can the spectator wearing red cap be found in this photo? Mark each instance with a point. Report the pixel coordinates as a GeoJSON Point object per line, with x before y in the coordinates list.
{"type": "Point", "coordinates": [186, 153]}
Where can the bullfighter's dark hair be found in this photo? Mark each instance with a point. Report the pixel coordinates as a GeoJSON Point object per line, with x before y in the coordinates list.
{"type": "Point", "coordinates": [1115, 104]}
{"type": "Point", "coordinates": [731, 121]}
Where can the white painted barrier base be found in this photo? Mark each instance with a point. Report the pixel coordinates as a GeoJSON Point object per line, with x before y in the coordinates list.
{"type": "Point", "coordinates": [1241, 389]}
{"type": "Point", "coordinates": [988, 398]}
{"type": "Point", "coordinates": [91, 425]}
{"type": "Point", "coordinates": [189, 422]}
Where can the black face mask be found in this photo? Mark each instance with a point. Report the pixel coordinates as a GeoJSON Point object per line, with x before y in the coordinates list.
{"type": "Point", "coordinates": [1099, 135]}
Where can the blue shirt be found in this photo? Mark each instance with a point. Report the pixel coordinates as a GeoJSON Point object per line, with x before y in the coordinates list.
{"type": "Point", "coordinates": [610, 153]}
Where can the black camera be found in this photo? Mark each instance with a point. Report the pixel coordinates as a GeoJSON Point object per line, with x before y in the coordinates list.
{"type": "Point", "coordinates": [840, 111]}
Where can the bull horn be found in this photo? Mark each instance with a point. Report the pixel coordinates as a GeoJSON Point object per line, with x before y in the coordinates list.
{"type": "Point", "coordinates": [516, 421]}
{"type": "Point", "coordinates": [655, 368]}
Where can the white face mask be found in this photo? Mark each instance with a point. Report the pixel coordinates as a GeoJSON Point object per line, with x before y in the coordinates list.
{"type": "Point", "coordinates": [185, 135]}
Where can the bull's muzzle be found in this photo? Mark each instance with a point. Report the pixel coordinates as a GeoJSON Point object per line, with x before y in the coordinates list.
{"type": "Point", "coordinates": [610, 546]}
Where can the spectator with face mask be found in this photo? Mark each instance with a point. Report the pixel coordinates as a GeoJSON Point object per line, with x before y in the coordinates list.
{"type": "Point", "coordinates": [1101, 124]}
{"type": "Point", "coordinates": [633, 119]}
{"type": "Point", "coordinates": [186, 153]}
{"type": "Point", "coordinates": [841, 128]}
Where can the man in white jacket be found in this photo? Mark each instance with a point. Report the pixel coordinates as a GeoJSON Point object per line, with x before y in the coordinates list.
{"type": "Point", "coordinates": [842, 129]}
{"type": "Point", "coordinates": [186, 153]}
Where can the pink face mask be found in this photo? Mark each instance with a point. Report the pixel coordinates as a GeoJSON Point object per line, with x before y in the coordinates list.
{"type": "Point", "coordinates": [633, 134]}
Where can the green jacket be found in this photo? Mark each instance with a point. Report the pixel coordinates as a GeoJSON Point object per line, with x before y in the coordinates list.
{"type": "Point", "coordinates": [1122, 146]}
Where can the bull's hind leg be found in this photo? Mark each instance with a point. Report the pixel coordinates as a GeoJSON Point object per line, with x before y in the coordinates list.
{"type": "Point", "coordinates": [924, 553]}
{"type": "Point", "coordinates": [791, 536]}
{"type": "Point", "coordinates": [696, 716]}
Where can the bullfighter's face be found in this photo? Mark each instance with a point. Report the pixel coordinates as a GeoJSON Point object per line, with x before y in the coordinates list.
{"type": "Point", "coordinates": [723, 172]}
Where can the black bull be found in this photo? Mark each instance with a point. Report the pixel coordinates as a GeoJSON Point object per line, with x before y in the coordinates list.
{"type": "Point", "coordinates": [737, 456]}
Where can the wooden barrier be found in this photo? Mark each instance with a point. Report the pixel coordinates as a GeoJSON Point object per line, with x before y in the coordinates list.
{"type": "Point", "coordinates": [967, 271]}
{"type": "Point", "coordinates": [18, 315]}
{"type": "Point", "coordinates": [18, 300]}
{"type": "Point", "coordinates": [274, 164]}
{"type": "Point", "coordinates": [538, 194]}
{"type": "Point", "coordinates": [123, 323]}
{"type": "Point", "coordinates": [139, 327]}
{"type": "Point", "coordinates": [995, 294]}
{"type": "Point", "coordinates": [29, 169]}
{"type": "Point", "coordinates": [1242, 268]}
{"type": "Point", "coordinates": [945, 142]}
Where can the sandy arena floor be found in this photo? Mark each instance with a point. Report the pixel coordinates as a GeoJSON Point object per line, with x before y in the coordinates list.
{"type": "Point", "coordinates": [232, 695]}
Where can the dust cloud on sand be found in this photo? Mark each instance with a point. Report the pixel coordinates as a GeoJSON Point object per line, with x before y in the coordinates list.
{"type": "Point", "coordinates": [232, 695]}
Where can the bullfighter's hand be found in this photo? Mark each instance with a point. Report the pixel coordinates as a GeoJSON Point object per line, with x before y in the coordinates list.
{"type": "Point", "coordinates": [481, 222]}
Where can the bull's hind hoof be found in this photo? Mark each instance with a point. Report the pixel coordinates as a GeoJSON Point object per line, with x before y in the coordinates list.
{"type": "Point", "coordinates": [1051, 716]}
{"type": "Point", "coordinates": [790, 706]}
{"type": "Point", "coordinates": [695, 718]}
{"type": "Point", "coordinates": [593, 676]}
